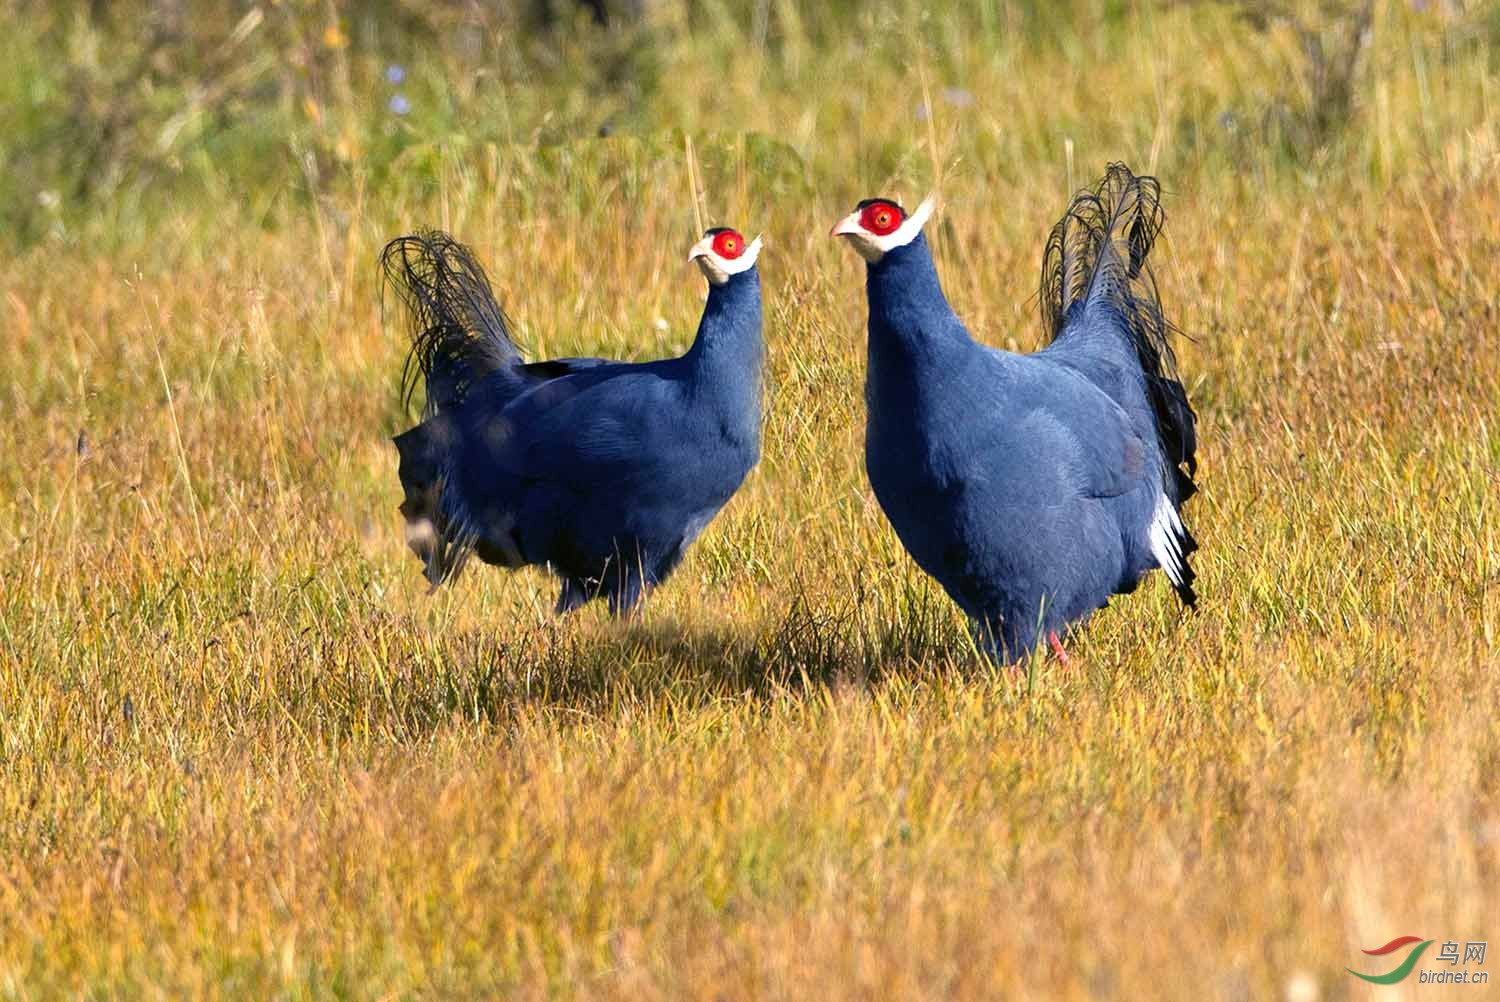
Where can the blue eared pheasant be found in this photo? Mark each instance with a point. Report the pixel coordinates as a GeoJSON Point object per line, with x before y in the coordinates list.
{"type": "Point", "coordinates": [602, 471]}
{"type": "Point", "coordinates": [1032, 487]}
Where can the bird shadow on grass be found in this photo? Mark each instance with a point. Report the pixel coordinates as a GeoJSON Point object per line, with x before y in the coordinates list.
{"type": "Point", "coordinates": [563, 666]}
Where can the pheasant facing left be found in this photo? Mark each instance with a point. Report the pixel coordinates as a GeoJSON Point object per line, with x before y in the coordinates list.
{"type": "Point", "coordinates": [603, 471]}
{"type": "Point", "coordinates": [1032, 487]}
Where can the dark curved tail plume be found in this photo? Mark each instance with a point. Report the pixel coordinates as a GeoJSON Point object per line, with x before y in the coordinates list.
{"type": "Point", "coordinates": [1098, 251]}
{"type": "Point", "coordinates": [459, 335]}
{"type": "Point", "coordinates": [459, 332]}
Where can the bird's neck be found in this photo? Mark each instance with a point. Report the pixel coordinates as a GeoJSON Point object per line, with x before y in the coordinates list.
{"type": "Point", "coordinates": [911, 323]}
{"type": "Point", "coordinates": [726, 354]}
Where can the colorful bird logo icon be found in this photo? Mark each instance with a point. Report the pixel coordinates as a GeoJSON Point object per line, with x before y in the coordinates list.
{"type": "Point", "coordinates": [1401, 970]}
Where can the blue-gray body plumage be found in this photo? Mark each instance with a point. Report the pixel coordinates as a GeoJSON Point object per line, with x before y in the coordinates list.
{"type": "Point", "coordinates": [603, 471]}
{"type": "Point", "coordinates": [1031, 487]}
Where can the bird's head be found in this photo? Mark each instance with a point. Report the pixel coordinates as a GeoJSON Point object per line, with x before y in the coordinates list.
{"type": "Point", "coordinates": [878, 226]}
{"type": "Point", "coordinates": [723, 253]}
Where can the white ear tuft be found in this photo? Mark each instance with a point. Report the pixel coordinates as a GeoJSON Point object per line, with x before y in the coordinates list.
{"type": "Point", "coordinates": [908, 230]}
{"type": "Point", "coordinates": [751, 253]}
{"type": "Point", "coordinates": [918, 218]}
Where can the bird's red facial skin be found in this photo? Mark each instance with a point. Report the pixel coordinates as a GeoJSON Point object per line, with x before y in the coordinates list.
{"type": "Point", "coordinates": [729, 245]}
{"type": "Point", "coordinates": [881, 218]}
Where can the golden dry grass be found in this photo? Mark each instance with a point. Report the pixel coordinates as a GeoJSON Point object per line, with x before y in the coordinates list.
{"type": "Point", "coordinates": [243, 754]}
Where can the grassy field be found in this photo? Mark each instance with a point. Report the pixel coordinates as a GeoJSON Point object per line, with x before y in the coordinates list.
{"type": "Point", "coordinates": [243, 754]}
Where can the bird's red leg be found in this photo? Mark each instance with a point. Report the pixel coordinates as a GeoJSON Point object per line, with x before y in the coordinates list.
{"type": "Point", "coordinates": [1057, 647]}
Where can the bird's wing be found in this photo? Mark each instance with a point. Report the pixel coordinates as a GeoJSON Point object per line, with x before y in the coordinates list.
{"type": "Point", "coordinates": [1095, 458]}
{"type": "Point", "coordinates": [1112, 456]}
{"type": "Point", "coordinates": [593, 429]}
{"type": "Point", "coordinates": [1058, 424]}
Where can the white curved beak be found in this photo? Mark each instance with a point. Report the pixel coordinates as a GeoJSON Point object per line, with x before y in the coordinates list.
{"type": "Point", "coordinates": [848, 226]}
{"type": "Point", "coordinates": [703, 248]}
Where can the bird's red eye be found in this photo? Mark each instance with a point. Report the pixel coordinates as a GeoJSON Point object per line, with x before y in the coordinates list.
{"type": "Point", "coordinates": [881, 218]}
{"type": "Point", "coordinates": [728, 244]}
